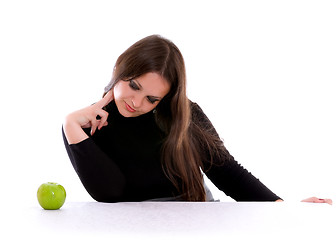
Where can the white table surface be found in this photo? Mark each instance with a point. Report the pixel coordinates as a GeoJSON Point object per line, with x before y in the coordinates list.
{"type": "Point", "coordinates": [173, 220]}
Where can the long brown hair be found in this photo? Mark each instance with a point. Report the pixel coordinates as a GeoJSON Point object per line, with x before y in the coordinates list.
{"type": "Point", "coordinates": [183, 148]}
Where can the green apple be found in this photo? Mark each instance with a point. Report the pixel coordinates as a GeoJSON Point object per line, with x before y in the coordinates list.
{"type": "Point", "coordinates": [51, 196]}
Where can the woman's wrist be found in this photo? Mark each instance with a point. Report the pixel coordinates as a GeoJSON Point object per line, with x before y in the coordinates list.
{"type": "Point", "coordinates": [73, 131]}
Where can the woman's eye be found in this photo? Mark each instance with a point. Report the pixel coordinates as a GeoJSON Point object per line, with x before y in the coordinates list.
{"type": "Point", "coordinates": [152, 100]}
{"type": "Point", "coordinates": [133, 85]}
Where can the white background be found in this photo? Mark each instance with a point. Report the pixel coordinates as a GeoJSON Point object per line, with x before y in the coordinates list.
{"type": "Point", "coordinates": [263, 72]}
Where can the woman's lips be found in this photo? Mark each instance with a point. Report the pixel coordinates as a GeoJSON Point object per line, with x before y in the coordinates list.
{"type": "Point", "coordinates": [128, 107]}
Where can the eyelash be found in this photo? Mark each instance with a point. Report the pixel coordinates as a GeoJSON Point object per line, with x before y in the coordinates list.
{"type": "Point", "coordinates": [135, 87]}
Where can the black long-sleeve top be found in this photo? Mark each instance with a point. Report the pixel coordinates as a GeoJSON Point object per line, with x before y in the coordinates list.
{"type": "Point", "coordinates": [121, 162]}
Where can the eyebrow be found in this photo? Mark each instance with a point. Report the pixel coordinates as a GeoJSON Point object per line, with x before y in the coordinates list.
{"type": "Point", "coordinates": [159, 98]}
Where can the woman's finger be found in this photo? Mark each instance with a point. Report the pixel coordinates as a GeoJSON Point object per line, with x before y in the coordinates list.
{"type": "Point", "coordinates": [318, 200]}
{"type": "Point", "coordinates": [98, 120]}
{"type": "Point", "coordinates": [308, 199]}
{"type": "Point", "coordinates": [329, 201]}
{"type": "Point", "coordinates": [94, 125]}
{"type": "Point", "coordinates": [312, 200]}
{"type": "Point", "coordinates": [87, 125]}
{"type": "Point", "coordinates": [103, 118]}
{"type": "Point", "coordinates": [106, 99]}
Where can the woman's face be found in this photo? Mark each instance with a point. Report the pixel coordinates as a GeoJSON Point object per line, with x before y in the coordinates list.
{"type": "Point", "coordinates": [140, 95]}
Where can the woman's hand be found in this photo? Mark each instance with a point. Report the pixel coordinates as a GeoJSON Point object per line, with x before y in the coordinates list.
{"type": "Point", "coordinates": [313, 200]}
{"type": "Point", "coordinates": [85, 118]}
{"type": "Point", "coordinates": [317, 200]}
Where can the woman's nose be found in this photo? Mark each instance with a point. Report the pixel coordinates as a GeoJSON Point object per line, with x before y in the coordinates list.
{"type": "Point", "coordinates": [137, 101]}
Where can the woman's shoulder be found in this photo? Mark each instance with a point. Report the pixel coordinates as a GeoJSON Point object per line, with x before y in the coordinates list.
{"type": "Point", "coordinates": [197, 113]}
{"type": "Point", "coordinates": [194, 107]}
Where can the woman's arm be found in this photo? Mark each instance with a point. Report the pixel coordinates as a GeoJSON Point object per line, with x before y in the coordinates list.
{"type": "Point", "coordinates": [226, 173]}
{"type": "Point", "coordinates": [236, 182]}
{"type": "Point", "coordinates": [233, 179]}
{"type": "Point", "coordinates": [99, 174]}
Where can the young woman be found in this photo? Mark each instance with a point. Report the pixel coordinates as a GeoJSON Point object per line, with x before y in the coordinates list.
{"type": "Point", "coordinates": [146, 140]}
